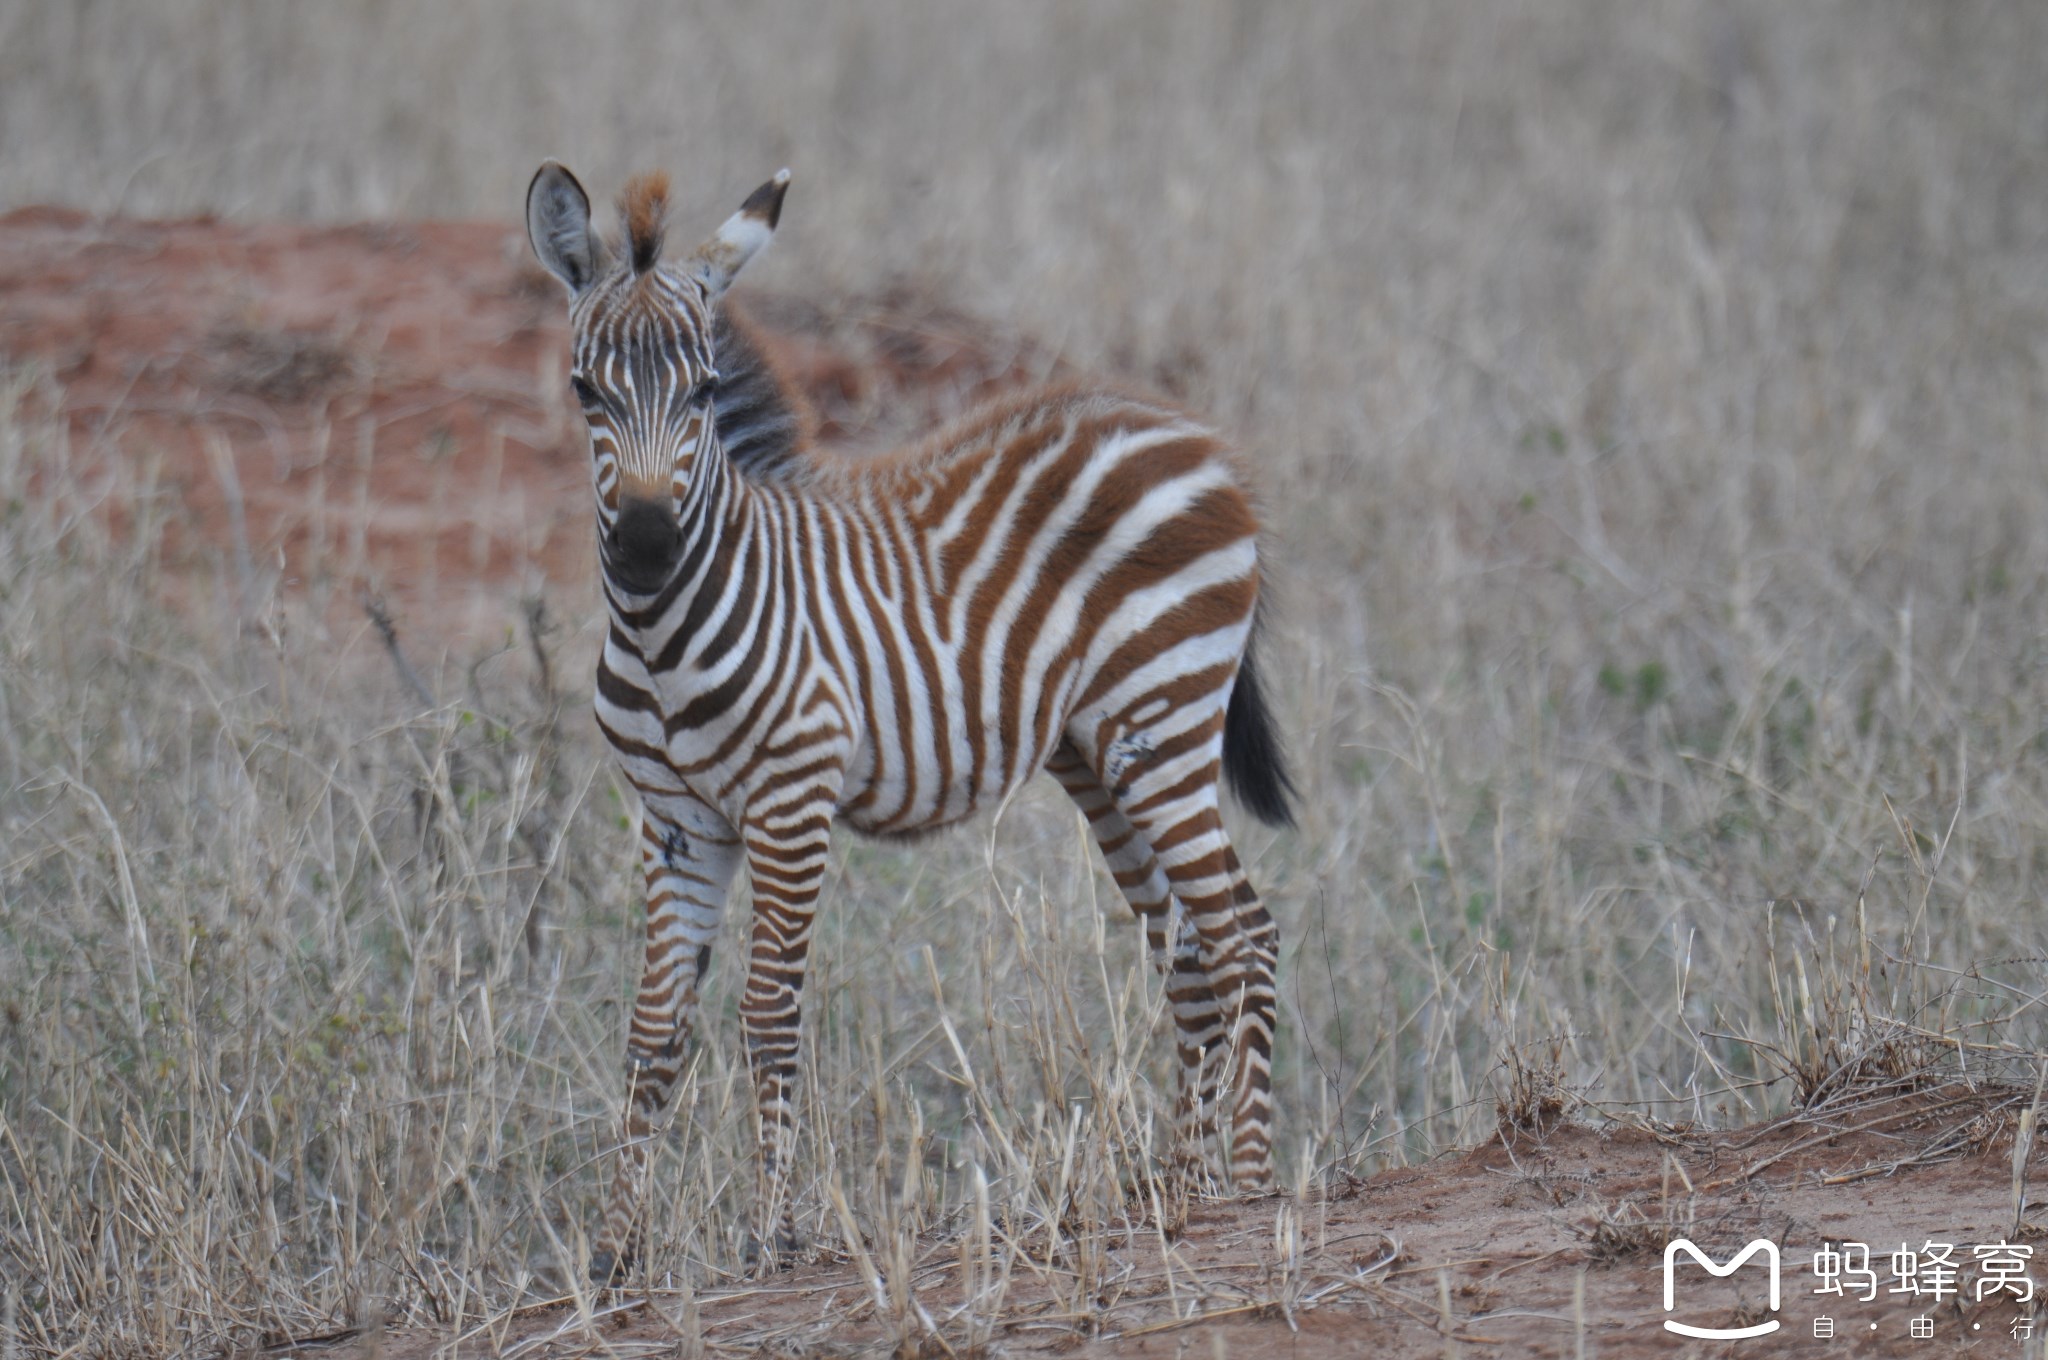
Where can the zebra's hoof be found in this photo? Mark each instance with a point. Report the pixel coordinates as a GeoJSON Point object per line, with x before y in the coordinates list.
{"type": "Point", "coordinates": [608, 1269]}
{"type": "Point", "coordinates": [780, 1253]}
{"type": "Point", "coordinates": [1192, 1173]}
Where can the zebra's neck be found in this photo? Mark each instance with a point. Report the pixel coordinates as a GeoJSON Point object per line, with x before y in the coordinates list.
{"type": "Point", "coordinates": [764, 422]}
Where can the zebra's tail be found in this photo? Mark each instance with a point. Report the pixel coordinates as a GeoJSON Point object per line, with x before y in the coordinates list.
{"type": "Point", "coordinates": [1253, 762]}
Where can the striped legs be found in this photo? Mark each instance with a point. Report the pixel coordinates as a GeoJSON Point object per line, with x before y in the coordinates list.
{"type": "Point", "coordinates": [1199, 1029]}
{"type": "Point", "coordinates": [787, 843]}
{"type": "Point", "coordinates": [1248, 988]}
{"type": "Point", "coordinates": [1163, 780]}
{"type": "Point", "coordinates": [687, 855]}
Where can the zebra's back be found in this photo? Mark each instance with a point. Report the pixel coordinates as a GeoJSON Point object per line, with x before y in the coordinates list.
{"type": "Point", "coordinates": [1039, 544]}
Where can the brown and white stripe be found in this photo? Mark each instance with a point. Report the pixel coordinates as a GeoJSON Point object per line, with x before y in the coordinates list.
{"type": "Point", "coordinates": [1067, 581]}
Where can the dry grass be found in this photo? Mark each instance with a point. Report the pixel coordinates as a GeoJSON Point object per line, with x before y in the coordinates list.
{"type": "Point", "coordinates": [1650, 401]}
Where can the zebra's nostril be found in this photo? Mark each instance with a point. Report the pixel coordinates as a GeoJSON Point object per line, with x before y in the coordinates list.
{"type": "Point", "coordinates": [643, 546]}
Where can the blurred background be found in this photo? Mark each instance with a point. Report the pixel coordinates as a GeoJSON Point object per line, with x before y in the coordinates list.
{"type": "Point", "coordinates": [1649, 401]}
{"type": "Point", "coordinates": [1772, 276]}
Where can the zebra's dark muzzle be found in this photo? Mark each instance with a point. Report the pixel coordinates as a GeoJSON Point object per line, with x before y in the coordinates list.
{"type": "Point", "coordinates": [643, 547]}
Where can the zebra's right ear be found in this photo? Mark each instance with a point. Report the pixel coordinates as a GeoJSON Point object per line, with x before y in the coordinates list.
{"type": "Point", "coordinates": [558, 226]}
{"type": "Point", "coordinates": [715, 263]}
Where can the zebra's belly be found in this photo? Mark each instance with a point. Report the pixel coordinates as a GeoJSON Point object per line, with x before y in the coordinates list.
{"type": "Point", "coordinates": [905, 791]}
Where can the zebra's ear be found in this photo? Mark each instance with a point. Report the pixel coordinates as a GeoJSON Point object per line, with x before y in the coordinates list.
{"type": "Point", "coordinates": [558, 226]}
{"type": "Point", "coordinates": [719, 260]}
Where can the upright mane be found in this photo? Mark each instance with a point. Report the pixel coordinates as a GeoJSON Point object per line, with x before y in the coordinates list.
{"type": "Point", "coordinates": [764, 423]}
{"type": "Point", "coordinates": [644, 207]}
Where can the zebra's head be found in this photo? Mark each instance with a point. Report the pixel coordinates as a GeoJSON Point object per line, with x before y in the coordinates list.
{"type": "Point", "coordinates": [641, 358]}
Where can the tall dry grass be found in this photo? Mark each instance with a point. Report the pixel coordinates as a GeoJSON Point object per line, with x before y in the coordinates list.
{"type": "Point", "coordinates": [1651, 404]}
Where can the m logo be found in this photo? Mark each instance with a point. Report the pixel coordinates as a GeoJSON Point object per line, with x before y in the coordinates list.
{"type": "Point", "coordinates": [1763, 1245]}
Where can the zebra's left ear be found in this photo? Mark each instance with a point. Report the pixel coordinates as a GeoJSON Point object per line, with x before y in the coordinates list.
{"type": "Point", "coordinates": [719, 260]}
{"type": "Point", "coordinates": [558, 225]}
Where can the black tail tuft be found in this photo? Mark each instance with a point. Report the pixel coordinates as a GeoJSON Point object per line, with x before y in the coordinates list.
{"type": "Point", "coordinates": [1253, 762]}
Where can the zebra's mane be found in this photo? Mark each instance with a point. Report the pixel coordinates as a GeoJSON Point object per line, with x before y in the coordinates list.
{"type": "Point", "coordinates": [764, 423]}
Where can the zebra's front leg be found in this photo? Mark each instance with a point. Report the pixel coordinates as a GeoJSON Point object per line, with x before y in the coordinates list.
{"type": "Point", "coordinates": [688, 853]}
{"type": "Point", "coordinates": [787, 843]}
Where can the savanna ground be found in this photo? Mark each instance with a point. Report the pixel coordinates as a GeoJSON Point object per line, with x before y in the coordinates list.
{"type": "Point", "coordinates": [1649, 402]}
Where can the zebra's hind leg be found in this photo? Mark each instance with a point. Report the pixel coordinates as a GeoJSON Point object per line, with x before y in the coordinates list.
{"type": "Point", "coordinates": [1165, 782]}
{"type": "Point", "coordinates": [687, 857]}
{"type": "Point", "coordinates": [1170, 938]}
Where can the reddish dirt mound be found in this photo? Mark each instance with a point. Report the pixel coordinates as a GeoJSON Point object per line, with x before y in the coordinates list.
{"type": "Point", "coordinates": [386, 406]}
{"type": "Point", "coordinates": [1538, 1247]}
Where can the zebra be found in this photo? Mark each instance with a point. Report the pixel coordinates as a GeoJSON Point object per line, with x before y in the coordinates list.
{"type": "Point", "coordinates": [1065, 580]}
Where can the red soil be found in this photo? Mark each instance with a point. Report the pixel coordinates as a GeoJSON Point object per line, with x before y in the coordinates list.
{"type": "Point", "coordinates": [1535, 1247]}
{"type": "Point", "coordinates": [389, 403]}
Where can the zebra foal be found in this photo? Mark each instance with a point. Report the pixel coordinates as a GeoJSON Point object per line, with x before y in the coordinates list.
{"type": "Point", "coordinates": [1063, 581]}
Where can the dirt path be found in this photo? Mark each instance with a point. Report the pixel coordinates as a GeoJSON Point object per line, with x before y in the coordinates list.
{"type": "Point", "coordinates": [1532, 1250]}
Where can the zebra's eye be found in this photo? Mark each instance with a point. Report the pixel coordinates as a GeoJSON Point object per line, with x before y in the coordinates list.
{"type": "Point", "coordinates": [701, 393]}
{"type": "Point", "coordinates": [586, 391]}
